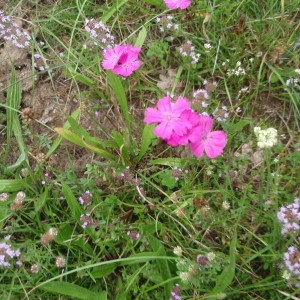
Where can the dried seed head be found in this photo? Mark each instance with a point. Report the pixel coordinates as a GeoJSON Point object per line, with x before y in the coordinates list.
{"type": "Point", "coordinates": [34, 269]}
{"type": "Point", "coordinates": [3, 197]}
{"type": "Point", "coordinates": [27, 114]}
{"type": "Point", "coordinates": [60, 261]}
{"type": "Point", "coordinates": [49, 236]}
{"type": "Point", "coordinates": [18, 201]}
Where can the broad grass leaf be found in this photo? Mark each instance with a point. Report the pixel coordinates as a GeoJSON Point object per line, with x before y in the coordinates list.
{"type": "Point", "coordinates": [105, 154]}
{"type": "Point", "coordinates": [141, 37]}
{"type": "Point", "coordinates": [58, 140]}
{"type": "Point", "coordinates": [237, 127]}
{"type": "Point", "coordinates": [170, 161]}
{"type": "Point", "coordinates": [40, 202]}
{"type": "Point", "coordinates": [13, 102]}
{"type": "Point", "coordinates": [227, 275]}
{"type": "Point", "coordinates": [162, 264]}
{"type": "Point", "coordinates": [65, 237]}
{"type": "Point", "coordinates": [19, 161]}
{"type": "Point", "coordinates": [158, 3]}
{"type": "Point", "coordinates": [13, 185]}
{"type": "Point", "coordinates": [72, 201]}
{"type": "Point", "coordinates": [70, 136]}
{"type": "Point", "coordinates": [5, 213]}
{"type": "Point", "coordinates": [112, 11]}
{"type": "Point", "coordinates": [147, 138]}
{"type": "Point", "coordinates": [103, 271]}
{"type": "Point", "coordinates": [118, 89]}
{"type": "Point", "coordinates": [70, 289]}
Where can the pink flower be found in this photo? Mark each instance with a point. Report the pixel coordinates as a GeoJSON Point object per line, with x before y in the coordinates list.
{"type": "Point", "coordinates": [210, 142]}
{"type": "Point", "coordinates": [193, 134]}
{"type": "Point", "coordinates": [173, 124]}
{"type": "Point", "coordinates": [122, 59]}
{"type": "Point", "coordinates": [173, 4]}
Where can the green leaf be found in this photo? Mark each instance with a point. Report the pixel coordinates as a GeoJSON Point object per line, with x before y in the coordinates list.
{"type": "Point", "coordinates": [79, 141]}
{"type": "Point", "coordinates": [19, 161]}
{"type": "Point", "coordinates": [66, 235]}
{"type": "Point", "coordinates": [112, 11]}
{"type": "Point", "coordinates": [120, 95]}
{"type": "Point", "coordinates": [72, 202]}
{"type": "Point", "coordinates": [234, 128]}
{"type": "Point", "coordinates": [13, 101]}
{"type": "Point", "coordinates": [170, 161]}
{"type": "Point", "coordinates": [5, 213]}
{"type": "Point", "coordinates": [147, 138]}
{"type": "Point", "coordinates": [103, 271]}
{"type": "Point", "coordinates": [58, 140]}
{"type": "Point", "coordinates": [141, 37]}
{"type": "Point", "coordinates": [158, 3]}
{"type": "Point", "coordinates": [227, 275]}
{"type": "Point", "coordinates": [162, 265]}
{"type": "Point", "coordinates": [70, 289]}
{"type": "Point", "coordinates": [40, 202]}
{"type": "Point", "coordinates": [13, 185]}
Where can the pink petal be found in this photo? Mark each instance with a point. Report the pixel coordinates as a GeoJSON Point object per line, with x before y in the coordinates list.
{"type": "Point", "coordinates": [127, 68]}
{"type": "Point", "coordinates": [176, 140]}
{"type": "Point", "coordinates": [163, 130]}
{"type": "Point", "coordinates": [173, 4]}
{"type": "Point", "coordinates": [215, 143]}
{"type": "Point", "coordinates": [110, 59]}
{"type": "Point", "coordinates": [181, 105]}
{"type": "Point", "coordinates": [205, 122]}
{"type": "Point", "coordinates": [164, 104]}
{"type": "Point", "coordinates": [197, 148]}
{"type": "Point", "coordinates": [152, 115]}
{"type": "Point", "coordinates": [180, 126]}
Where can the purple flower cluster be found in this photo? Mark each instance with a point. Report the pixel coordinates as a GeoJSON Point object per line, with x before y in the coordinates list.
{"type": "Point", "coordinates": [289, 217]}
{"type": "Point", "coordinates": [6, 253]}
{"type": "Point", "coordinates": [88, 221]}
{"type": "Point", "coordinates": [85, 198]}
{"type": "Point", "coordinates": [99, 33]}
{"type": "Point", "coordinates": [188, 50]}
{"type": "Point", "coordinates": [176, 292]}
{"type": "Point", "coordinates": [292, 263]}
{"type": "Point", "coordinates": [11, 31]}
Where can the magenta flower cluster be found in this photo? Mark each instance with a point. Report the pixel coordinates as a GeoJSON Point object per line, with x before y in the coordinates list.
{"type": "Point", "coordinates": [178, 124]}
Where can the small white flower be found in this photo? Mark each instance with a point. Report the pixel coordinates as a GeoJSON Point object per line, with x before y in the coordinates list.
{"type": "Point", "coordinates": [286, 275]}
{"type": "Point", "coordinates": [226, 205]}
{"type": "Point", "coordinates": [266, 138]}
{"type": "Point", "coordinates": [177, 251]}
{"type": "Point", "coordinates": [211, 256]}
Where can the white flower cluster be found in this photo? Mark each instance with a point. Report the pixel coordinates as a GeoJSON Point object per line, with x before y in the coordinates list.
{"type": "Point", "coordinates": [266, 138]}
